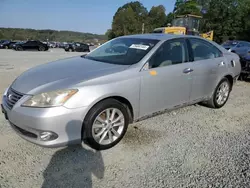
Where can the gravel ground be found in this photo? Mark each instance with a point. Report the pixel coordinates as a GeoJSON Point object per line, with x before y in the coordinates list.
{"type": "Point", "coordinates": [190, 147]}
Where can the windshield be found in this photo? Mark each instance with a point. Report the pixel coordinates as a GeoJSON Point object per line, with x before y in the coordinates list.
{"type": "Point", "coordinates": [123, 51]}
{"type": "Point", "coordinates": [6, 42]}
{"type": "Point", "coordinates": [190, 22]}
{"type": "Point", "coordinates": [20, 42]}
{"type": "Point", "coordinates": [180, 22]}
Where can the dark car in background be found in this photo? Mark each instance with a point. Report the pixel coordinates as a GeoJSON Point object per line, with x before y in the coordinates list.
{"type": "Point", "coordinates": [237, 46]}
{"type": "Point", "coordinates": [13, 46]}
{"type": "Point", "coordinates": [31, 45]}
{"type": "Point", "coordinates": [77, 47]}
{"type": "Point", "coordinates": [245, 66]}
{"type": "Point", "coordinates": [2, 41]}
{"type": "Point", "coordinates": [6, 45]}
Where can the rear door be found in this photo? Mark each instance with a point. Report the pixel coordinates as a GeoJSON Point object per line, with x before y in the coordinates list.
{"type": "Point", "coordinates": [209, 65]}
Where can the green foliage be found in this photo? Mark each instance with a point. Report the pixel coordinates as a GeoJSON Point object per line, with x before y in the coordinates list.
{"type": "Point", "coordinates": [169, 18]}
{"type": "Point", "coordinates": [156, 18]}
{"type": "Point", "coordinates": [228, 19]}
{"type": "Point", "coordinates": [110, 34]}
{"type": "Point", "coordinates": [129, 18]}
{"type": "Point", "coordinates": [51, 35]}
{"type": "Point", "coordinates": [190, 7]}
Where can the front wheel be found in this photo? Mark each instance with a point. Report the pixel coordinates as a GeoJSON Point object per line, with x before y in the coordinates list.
{"type": "Point", "coordinates": [19, 48]}
{"type": "Point", "coordinates": [221, 94]}
{"type": "Point", "coordinates": [105, 124]}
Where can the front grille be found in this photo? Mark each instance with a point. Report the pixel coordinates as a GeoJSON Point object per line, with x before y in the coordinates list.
{"type": "Point", "coordinates": [24, 132]}
{"type": "Point", "coordinates": [12, 97]}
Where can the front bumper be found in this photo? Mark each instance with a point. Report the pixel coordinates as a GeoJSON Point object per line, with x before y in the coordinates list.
{"type": "Point", "coordinates": [29, 123]}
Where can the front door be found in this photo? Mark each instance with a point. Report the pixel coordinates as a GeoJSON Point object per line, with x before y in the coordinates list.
{"type": "Point", "coordinates": [208, 66]}
{"type": "Point", "coordinates": [167, 82]}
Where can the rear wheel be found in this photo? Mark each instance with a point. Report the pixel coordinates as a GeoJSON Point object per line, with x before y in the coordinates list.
{"type": "Point", "coordinates": [221, 94]}
{"type": "Point", "coordinates": [41, 48]}
{"type": "Point", "coordinates": [243, 76]}
{"type": "Point", "coordinates": [105, 124]}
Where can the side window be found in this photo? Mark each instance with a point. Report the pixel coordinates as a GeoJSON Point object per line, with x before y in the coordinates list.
{"type": "Point", "coordinates": [240, 45]}
{"type": "Point", "coordinates": [28, 43]}
{"type": "Point", "coordinates": [170, 53]}
{"type": "Point", "coordinates": [246, 44]}
{"type": "Point", "coordinates": [33, 43]}
{"type": "Point", "coordinates": [204, 50]}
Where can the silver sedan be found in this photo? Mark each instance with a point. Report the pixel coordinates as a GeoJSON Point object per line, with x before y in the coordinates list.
{"type": "Point", "coordinates": [93, 98]}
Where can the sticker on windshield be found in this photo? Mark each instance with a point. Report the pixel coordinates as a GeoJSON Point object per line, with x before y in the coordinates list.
{"type": "Point", "coordinates": [139, 46]}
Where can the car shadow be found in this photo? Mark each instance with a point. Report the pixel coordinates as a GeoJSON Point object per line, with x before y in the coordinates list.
{"type": "Point", "coordinates": [73, 166]}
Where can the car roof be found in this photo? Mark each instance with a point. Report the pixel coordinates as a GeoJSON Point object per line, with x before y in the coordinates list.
{"type": "Point", "coordinates": [159, 36]}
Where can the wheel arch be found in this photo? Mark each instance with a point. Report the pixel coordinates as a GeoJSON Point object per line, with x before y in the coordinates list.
{"type": "Point", "coordinates": [230, 79]}
{"type": "Point", "coordinates": [121, 99]}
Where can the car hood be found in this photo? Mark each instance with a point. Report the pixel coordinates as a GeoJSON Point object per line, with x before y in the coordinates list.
{"type": "Point", "coordinates": [228, 46]}
{"type": "Point", "coordinates": [62, 74]}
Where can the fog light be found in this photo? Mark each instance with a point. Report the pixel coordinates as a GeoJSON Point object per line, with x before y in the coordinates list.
{"type": "Point", "coordinates": [47, 136]}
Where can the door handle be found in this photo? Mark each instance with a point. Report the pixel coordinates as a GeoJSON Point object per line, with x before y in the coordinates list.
{"type": "Point", "coordinates": [221, 64]}
{"type": "Point", "coordinates": [187, 70]}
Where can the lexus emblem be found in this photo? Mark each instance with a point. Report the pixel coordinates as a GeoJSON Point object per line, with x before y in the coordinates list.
{"type": "Point", "coordinates": [10, 96]}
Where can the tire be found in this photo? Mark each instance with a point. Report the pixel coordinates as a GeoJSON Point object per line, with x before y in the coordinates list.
{"type": "Point", "coordinates": [108, 131]}
{"type": "Point", "coordinates": [243, 76]}
{"type": "Point", "coordinates": [214, 101]}
{"type": "Point", "coordinates": [41, 48]}
{"type": "Point", "coordinates": [19, 48]}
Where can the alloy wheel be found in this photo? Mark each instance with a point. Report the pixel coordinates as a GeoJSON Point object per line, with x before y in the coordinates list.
{"type": "Point", "coordinates": [108, 126]}
{"type": "Point", "coordinates": [222, 93]}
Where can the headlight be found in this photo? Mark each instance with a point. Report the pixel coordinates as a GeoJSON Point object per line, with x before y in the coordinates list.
{"type": "Point", "coordinates": [5, 92]}
{"type": "Point", "coordinates": [50, 99]}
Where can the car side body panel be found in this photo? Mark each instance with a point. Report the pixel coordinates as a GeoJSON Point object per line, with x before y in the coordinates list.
{"type": "Point", "coordinates": [125, 84]}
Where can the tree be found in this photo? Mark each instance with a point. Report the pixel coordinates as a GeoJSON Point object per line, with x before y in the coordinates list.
{"type": "Point", "coordinates": [110, 34]}
{"type": "Point", "coordinates": [52, 35]}
{"type": "Point", "coordinates": [227, 18]}
{"type": "Point", "coordinates": [169, 18]}
{"type": "Point", "coordinates": [129, 18]}
{"type": "Point", "coordinates": [244, 8]}
{"type": "Point", "coordinates": [156, 18]}
{"type": "Point", "coordinates": [188, 7]}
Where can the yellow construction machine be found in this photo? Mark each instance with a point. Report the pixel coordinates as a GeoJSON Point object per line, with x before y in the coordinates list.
{"type": "Point", "coordinates": [185, 25]}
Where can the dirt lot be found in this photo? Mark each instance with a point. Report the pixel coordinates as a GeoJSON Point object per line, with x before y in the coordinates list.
{"type": "Point", "coordinates": [191, 147]}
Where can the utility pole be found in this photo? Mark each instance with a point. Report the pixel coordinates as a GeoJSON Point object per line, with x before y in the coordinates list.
{"type": "Point", "coordinates": [143, 28]}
